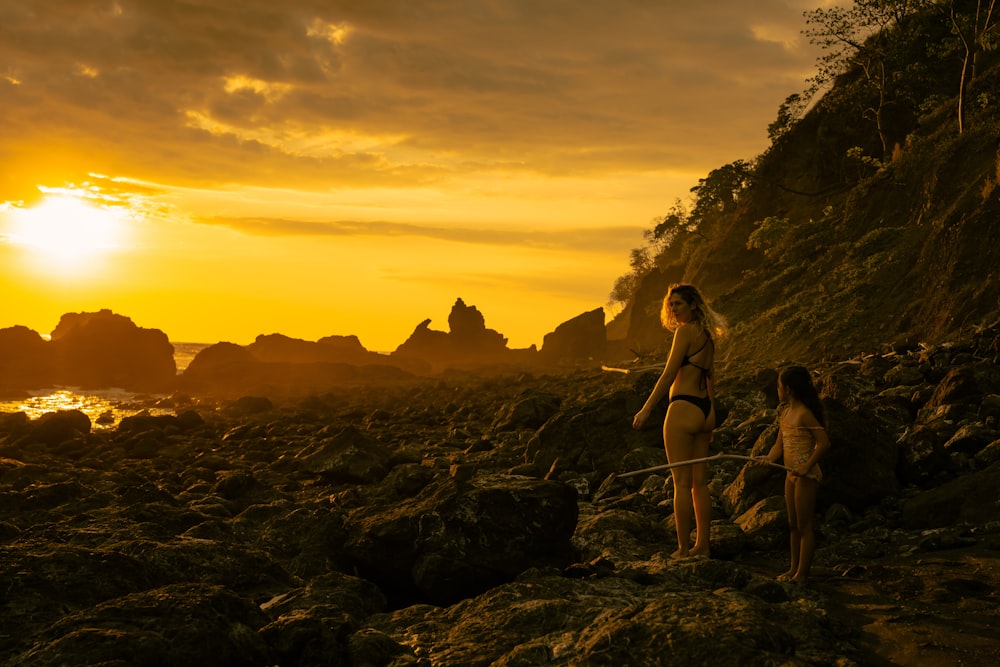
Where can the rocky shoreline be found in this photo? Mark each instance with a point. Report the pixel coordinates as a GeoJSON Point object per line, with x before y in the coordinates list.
{"type": "Point", "coordinates": [472, 520]}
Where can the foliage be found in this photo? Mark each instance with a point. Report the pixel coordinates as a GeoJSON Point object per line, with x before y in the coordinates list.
{"type": "Point", "coordinates": [977, 33]}
{"type": "Point", "coordinates": [626, 285]}
{"type": "Point", "coordinates": [789, 113]}
{"type": "Point", "coordinates": [767, 233]}
{"type": "Point", "coordinates": [719, 191]}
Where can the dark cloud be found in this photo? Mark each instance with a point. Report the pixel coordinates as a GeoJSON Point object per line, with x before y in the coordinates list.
{"type": "Point", "coordinates": [225, 91]}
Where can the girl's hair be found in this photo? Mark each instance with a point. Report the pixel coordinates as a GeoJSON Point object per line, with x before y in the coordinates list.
{"type": "Point", "coordinates": [713, 323]}
{"type": "Point", "coordinates": [798, 381]}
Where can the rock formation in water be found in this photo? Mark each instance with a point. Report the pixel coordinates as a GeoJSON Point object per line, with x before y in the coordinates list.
{"type": "Point", "coordinates": [91, 351]}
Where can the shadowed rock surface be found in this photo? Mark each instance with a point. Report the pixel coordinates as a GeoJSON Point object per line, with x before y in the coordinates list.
{"type": "Point", "coordinates": [474, 521]}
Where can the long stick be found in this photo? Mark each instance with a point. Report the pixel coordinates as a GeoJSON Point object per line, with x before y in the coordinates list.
{"type": "Point", "coordinates": [714, 457]}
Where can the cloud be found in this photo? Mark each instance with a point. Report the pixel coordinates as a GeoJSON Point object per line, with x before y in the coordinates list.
{"type": "Point", "coordinates": [337, 93]}
{"type": "Point", "coordinates": [613, 240]}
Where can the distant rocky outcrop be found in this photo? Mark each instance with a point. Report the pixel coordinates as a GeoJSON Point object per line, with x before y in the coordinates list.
{"type": "Point", "coordinates": [103, 349]}
{"type": "Point", "coordinates": [276, 364]}
{"type": "Point", "coordinates": [466, 344]}
{"type": "Point", "coordinates": [280, 366]}
{"type": "Point", "coordinates": [90, 351]}
{"type": "Point", "coordinates": [582, 339]}
{"type": "Point", "coordinates": [278, 348]}
{"type": "Point", "coordinates": [25, 361]}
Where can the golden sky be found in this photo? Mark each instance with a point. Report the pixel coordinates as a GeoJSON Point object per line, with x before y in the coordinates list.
{"type": "Point", "coordinates": [220, 169]}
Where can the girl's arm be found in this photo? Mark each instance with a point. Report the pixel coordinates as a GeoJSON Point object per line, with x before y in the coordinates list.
{"type": "Point", "coordinates": [822, 442]}
{"type": "Point", "coordinates": [777, 450]}
{"type": "Point", "coordinates": [678, 347]}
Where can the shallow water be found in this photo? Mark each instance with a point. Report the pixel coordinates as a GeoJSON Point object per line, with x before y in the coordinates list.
{"type": "Point", "coordinates": [105, 407]}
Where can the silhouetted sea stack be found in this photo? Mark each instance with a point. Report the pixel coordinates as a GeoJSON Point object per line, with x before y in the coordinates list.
{"type": "Point", "coordinates": [91, 351]}
{"type": "Point", "coordinates": [103, 350]}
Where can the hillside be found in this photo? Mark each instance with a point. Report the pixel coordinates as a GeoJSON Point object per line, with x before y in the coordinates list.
{"type": "Point", "coordinates": [871, 220]}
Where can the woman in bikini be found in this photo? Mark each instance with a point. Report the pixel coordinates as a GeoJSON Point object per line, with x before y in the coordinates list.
{"type": "Point", "coordinates": [802, 442]}
{"type": "Point", "coordinates": [687, 429]}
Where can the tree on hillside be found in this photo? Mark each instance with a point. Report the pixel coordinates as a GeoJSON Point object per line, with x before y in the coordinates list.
{"type": "Point", "coordinates": [720, 190]}
{"type": "Point", "coordinates": [977, 32]}
{"type": "Point", "coordinates": [715, 195]}
{"type": "Point", "coordinates": [863, 36]}
{"type": "Point", "coordinates": [640, 264]}
{"type": "Point", "coordinates": [672, 228]}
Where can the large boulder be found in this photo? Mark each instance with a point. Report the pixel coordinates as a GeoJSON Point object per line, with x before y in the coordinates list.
{"type": "Point", "coordinates": [453, 540]}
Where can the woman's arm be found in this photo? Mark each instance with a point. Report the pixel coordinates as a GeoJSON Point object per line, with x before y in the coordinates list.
{"type": "Point", "coordinates": [678, 348]}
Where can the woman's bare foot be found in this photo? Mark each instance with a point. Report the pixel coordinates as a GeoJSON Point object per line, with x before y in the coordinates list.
{"type": "Point", "coordinates": [704, 552]}
{"type": "Point", "coordinates": [680, 553]}
{"type": "Point", "coordinates": [786, 576]}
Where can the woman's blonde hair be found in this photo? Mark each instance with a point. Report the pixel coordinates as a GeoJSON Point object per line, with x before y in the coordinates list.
{"type": "Point", "coordinates": [713, 323]}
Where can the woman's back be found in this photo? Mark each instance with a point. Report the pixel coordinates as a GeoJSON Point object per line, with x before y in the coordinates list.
{"type": "Point", "coordinates": [696, 366]}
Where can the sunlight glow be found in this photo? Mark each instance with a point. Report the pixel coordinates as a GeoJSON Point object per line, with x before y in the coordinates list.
{"type": "Point", "coordinates": [332, 32]}
{"type": "Point", "coordinates": [67, 229]}
{"type": "Point", "coordinates": [269, 90]}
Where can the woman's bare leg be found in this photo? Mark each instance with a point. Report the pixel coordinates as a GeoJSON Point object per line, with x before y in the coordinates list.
{"type": "Point", "coordinates": [701, 497]}
{"type": "Point", "coordinates": [684, 439]}
{"type": "Point", "coordinates": [683, 509]}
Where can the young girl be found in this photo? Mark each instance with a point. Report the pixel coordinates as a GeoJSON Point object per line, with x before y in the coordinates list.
{"type": "Point", "coordinates": [802, 441]}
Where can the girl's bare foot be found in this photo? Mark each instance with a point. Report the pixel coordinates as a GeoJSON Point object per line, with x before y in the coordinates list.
{"type": "Point", "coordinates": [680, 553]}
{"type": "Point", "coordinates": [701, 551]}
{"type": "Point", "coordinates": [786, 576]}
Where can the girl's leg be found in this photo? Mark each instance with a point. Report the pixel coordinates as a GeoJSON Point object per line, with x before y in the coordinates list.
{"type": "Point", "coordinates": [794, 540]}
{"type": "Point", "coordinates": [805, 509]}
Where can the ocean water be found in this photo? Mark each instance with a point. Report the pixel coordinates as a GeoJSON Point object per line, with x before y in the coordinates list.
{"type": "Point", "coordinates": [105, 407]}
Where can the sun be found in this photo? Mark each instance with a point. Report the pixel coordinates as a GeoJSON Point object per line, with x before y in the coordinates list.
{"type": "Point", "coordinates": [66, 230]}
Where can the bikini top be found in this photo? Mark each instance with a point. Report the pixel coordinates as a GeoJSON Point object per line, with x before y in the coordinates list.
{"type": "Point", "coordinates": [706, 373]}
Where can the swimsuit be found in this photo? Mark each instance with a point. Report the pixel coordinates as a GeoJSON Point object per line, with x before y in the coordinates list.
{"type": "Point", "coordinates": [703, 402]}
{"type": "Point", "coordinates": [799, 443]}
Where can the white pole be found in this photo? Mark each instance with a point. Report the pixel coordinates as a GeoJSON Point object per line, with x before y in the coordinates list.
{"type": "Point", "coordinates": [714, 457]}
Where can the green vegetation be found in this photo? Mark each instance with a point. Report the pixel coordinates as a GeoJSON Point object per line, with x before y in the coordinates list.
{"type": "Point", "coordinates": [872, 216]}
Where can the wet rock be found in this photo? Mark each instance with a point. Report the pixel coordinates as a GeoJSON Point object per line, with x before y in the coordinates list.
{"type": "Point", "coordinates": [350, 455]}
{"type": "Point", "coordinates": [972, 498]}
{"type": "Point", "coordinates": [184, 624]}
{"type": "Point", "coordinates": [53, 428]}
{"type": "Point", "coordinates": [528, 410]}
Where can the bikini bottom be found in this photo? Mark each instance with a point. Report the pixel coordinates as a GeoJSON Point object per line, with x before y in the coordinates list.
{"type": "Point", "coordinates": [703, 402]}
